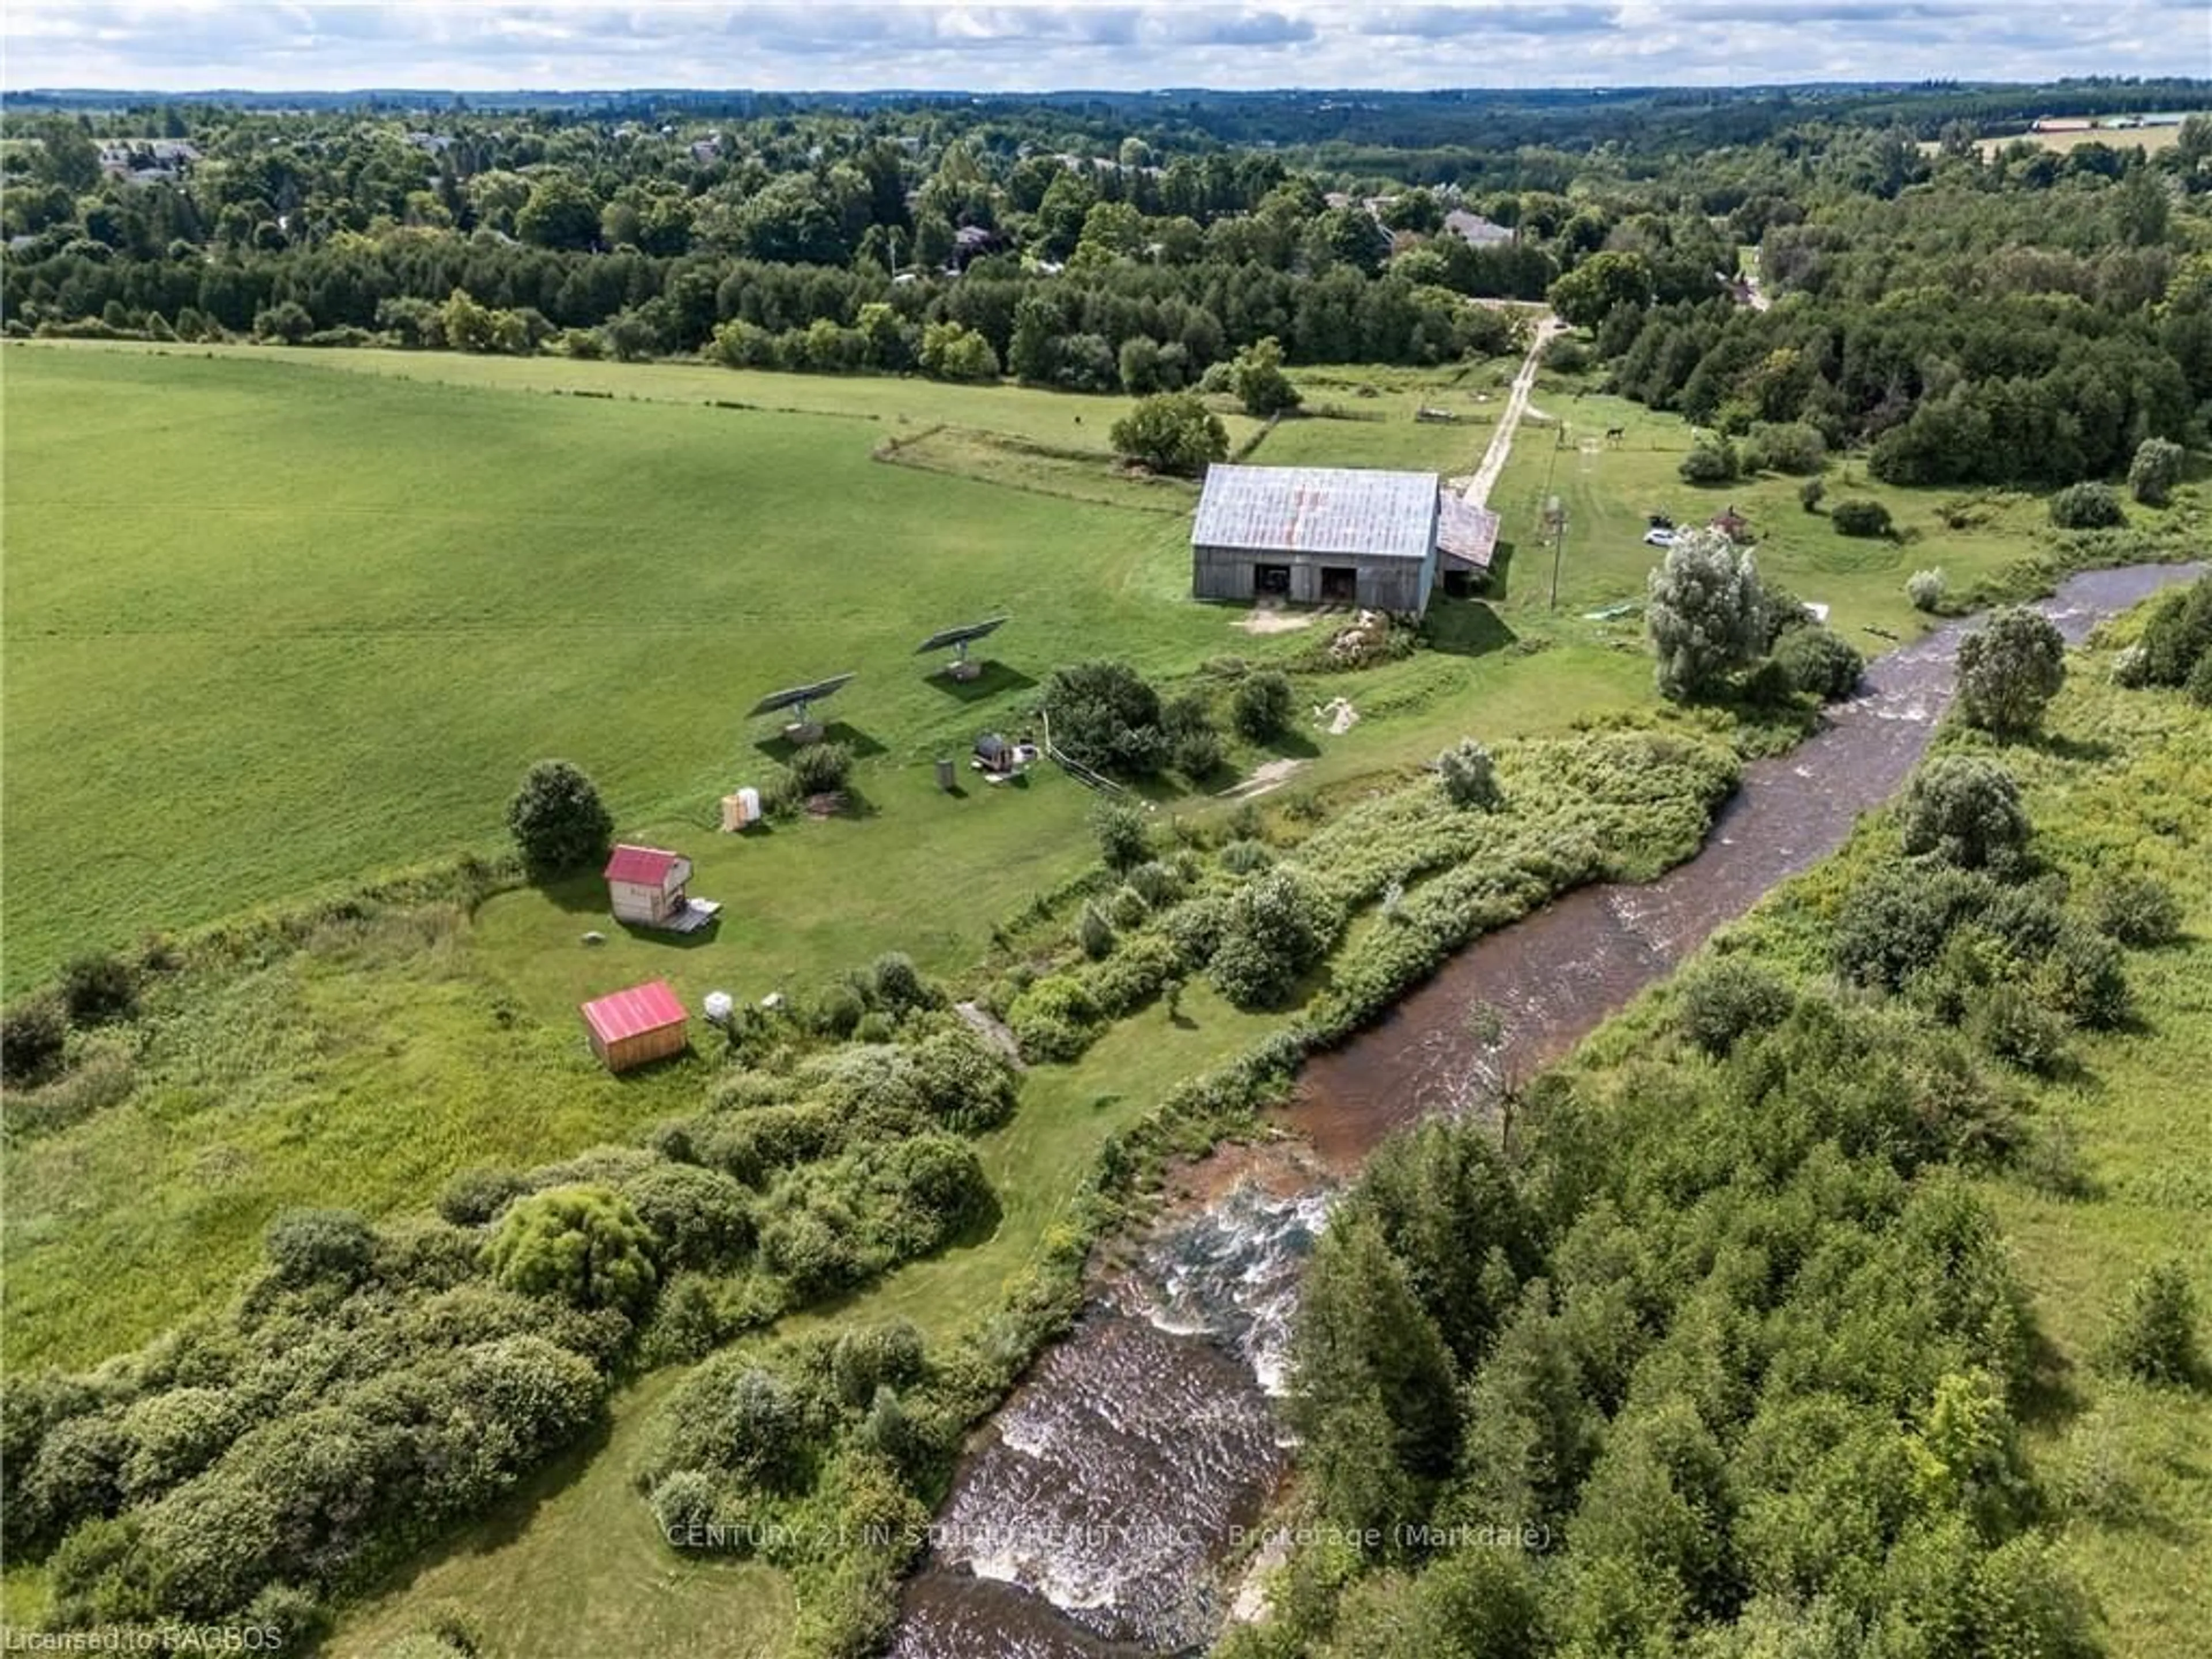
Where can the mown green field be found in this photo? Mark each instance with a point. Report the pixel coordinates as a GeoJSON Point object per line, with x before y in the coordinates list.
{"type": "Point", "coordinates": [255, 662]}
{"type": "Point", "coordinates": [1609, 494]}
{"type": "Point", "coordinates": [301, 623]}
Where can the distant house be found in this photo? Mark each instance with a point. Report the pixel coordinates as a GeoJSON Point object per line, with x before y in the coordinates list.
{"type": "Point", "coordinates": [1316, 535]}
{"type": "Point", "coordinates": [147, 161]}
{"type": "Point", "coordinates": [645, 884]}
{"type": "Point", "coordinates": [1475, 230]}
{"type": "Point", "coordinates": [972, 242]}
{"type": "Point", "coordinates": [628, 1028]}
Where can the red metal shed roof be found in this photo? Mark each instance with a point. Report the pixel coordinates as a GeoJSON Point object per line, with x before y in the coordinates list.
{"type": "Point", "coordinates": [646, 865]}
{"type": "Point", "coordinates": [626, 1013]}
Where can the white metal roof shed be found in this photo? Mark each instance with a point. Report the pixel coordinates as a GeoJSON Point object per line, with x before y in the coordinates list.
{"type": "Point", "coordinates": [1318, 509]}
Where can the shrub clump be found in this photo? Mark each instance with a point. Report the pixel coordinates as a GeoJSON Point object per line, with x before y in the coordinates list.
{"type": "Point", "coordinates": [2087, 506]}
{"type": "Point", "coordinates": [2009, 670]}
{"type": "Point", "coordinates": [1123, 841]}
{"type": "Point", "coordinates": [1925, 589]}
{"type": "Point", "coordinates": [1860, 517]}
{"type": "Point", "coordinates": [1964, 810]}
{"type": "Point", "coordinates": [1105, 715]}
{"type": "Point", "coordinates": [1053, 1019]}
{"type": "Point", "coordinates": [474, 1196]}
{"type": "Point", "coordinates": [2137, 910]}
{"type": "Point", "coordinates": [1171, 432]}
{"type": "Point", "coordinates": [2155, 469]}
{"type": "Point", "coordinates": [1262, 705]}
{"type": "Point", "coordinates": [1819, 662]}
{"type": "Point", "coordinates": [816, 769]}
{"type": "Point", "coordinates": [2154, 1330]}
{"type": "Point", "coordinates": [309, 1247]}
{"type": "Point", "coordinates": [100, 988]}
{"type": "Point", "coordinates": [33, 1035]}
{"type": "Point", "coordinates": [1722, 1000]}
{"type": "Point", "coordinates": [1710, 461]}
{"type": "Point", "coordinates": [1269, 938]}
{"type": "Point", "coordinates": [2178, 637]}
{"type": "Point", "coordinates": [582, 1245]}
{"type": "Point", "coordinates": [557, 820]}
{"type": "Point", "coordinates": [1094, 931]}
{"type": "Point", "coordinates": [1705, 613]}
{"type": "Point", "coordinates": [1784, 446]}
{"type": "Point", "coordinates": [1469, 776]}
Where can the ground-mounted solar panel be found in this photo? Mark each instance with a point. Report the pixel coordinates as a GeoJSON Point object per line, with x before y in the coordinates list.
{"type": "Point", "coordinates": [961, 636]}
{"type": "Point", "coordinates": [799, 696]}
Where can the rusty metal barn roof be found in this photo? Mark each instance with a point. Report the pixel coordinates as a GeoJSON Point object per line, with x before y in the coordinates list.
{"type": "Point", "coordinates": [1318, 509]}
{"type": "Point", "coordinates": [1465, 534]}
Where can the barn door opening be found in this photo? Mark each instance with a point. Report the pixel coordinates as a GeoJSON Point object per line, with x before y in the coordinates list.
{"type": "Point", "coordinates": [1340, 584]}
{"type": "Point", "coordinates": [1271, 581]}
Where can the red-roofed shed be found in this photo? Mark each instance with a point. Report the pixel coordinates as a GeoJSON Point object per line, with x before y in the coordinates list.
{"type": "Point", "coordinates": [628, 1028]}
{"type": "Point", "coordinates": [646, 884]}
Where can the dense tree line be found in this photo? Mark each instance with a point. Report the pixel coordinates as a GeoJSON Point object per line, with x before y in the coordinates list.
{"type": "Point", "coordinates": [777, 239]}
{"type": "Point", "coordinates": [2033, 319]}
{"type": "Point", "coordinates": [1717, 1347]}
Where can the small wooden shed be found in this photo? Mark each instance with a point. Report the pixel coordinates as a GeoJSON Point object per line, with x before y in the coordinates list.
{"type": "Point", "coordinates": [628, 1028]}
{"type": "Point", "coordinates": [645, 884]}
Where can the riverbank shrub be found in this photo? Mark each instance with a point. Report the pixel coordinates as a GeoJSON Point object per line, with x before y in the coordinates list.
{"type": "Point", "coordinates": [1469, 776]}
{"type": "Point", "coordinates": [1703, 613]}
{"type": "Point", "coordinates": [2009, 669]}
{"type": "Point", "coordinates": [2178, 637]}
{"type": "Point", "coordinates": [1964, 811]}
{"type": "Point", "coordinates": [2087, 506]}
{"type": "Point", "coordinates": [1272, 933]}
{"type": "Point", "coordinates": [1820, 663]}
{"type": "Point", "coordinates": [1724, 999]}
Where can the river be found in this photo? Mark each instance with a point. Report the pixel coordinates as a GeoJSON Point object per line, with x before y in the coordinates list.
{"type": "Point", "coordinates": [1091, 1518]}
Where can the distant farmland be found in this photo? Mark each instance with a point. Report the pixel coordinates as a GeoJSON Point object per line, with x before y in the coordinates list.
{"type": "Point", "coordinates": [2152, 139]}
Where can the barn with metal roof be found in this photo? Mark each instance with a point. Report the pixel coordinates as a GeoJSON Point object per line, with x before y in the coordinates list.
{"type": "Point", "coordinates": [1316, 535]}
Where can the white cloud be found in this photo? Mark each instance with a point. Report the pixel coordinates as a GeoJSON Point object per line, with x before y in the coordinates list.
{"type": "Point", "coordinates": [1019, 45]}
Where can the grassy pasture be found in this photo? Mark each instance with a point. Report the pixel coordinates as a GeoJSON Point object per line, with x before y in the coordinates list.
{"type": "Point", "coordinates": [1608, 495]}
{"type": "Point", "coordinates": [321, 621]}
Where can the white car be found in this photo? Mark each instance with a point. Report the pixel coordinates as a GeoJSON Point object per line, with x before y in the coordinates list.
{"type": "Point", "coordinates": [1656, 536]}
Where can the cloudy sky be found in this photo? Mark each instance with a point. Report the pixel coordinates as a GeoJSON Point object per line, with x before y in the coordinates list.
{"type": "Point", "coordinates": [855, 43]}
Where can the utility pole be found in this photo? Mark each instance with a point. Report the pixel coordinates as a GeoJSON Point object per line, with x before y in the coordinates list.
{"type": "Point", "coordinates": [1559, 552]}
